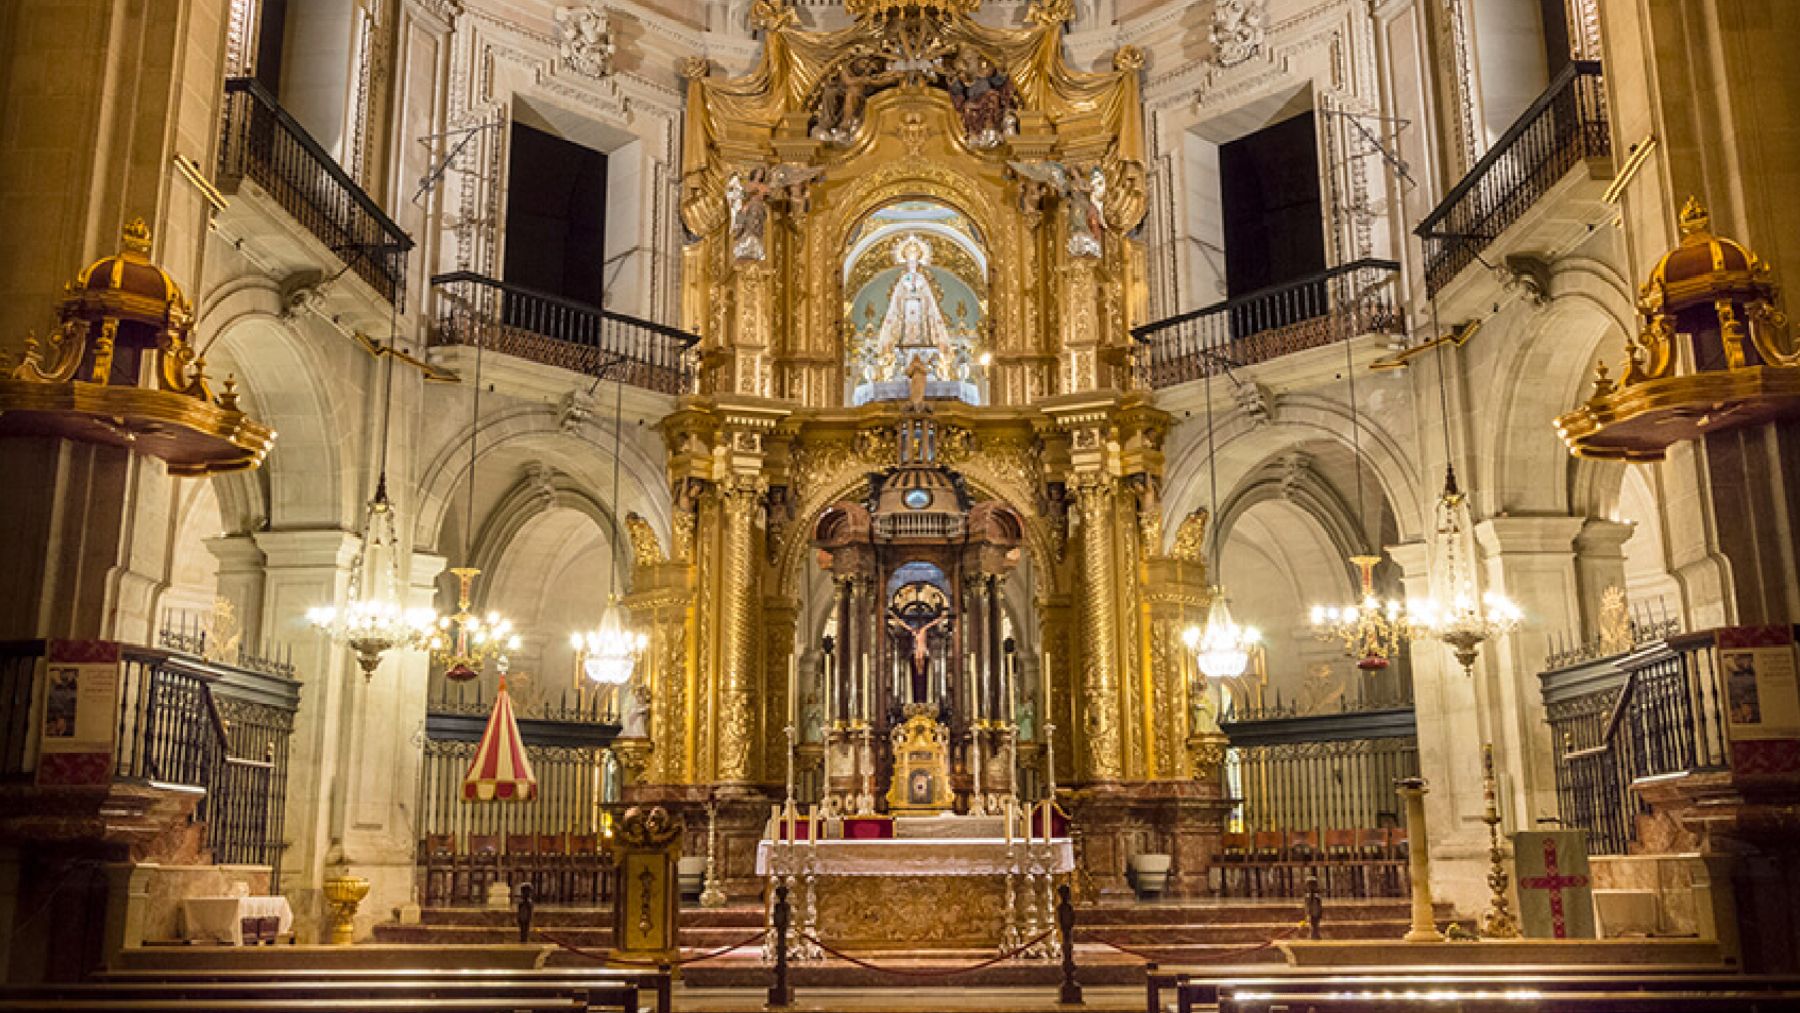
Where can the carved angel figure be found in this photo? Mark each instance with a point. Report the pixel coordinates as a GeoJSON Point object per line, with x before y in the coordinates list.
{"type": "Point", "coordinates": [584, 40]}
{"type": "Point", "coordinates": [747, 197]}
{"type": "Point", "coordinates": [1237, 31]}
{"type": "Point", "coordinates": [838, 106]}
{"type": "Point", "coordinates": [1086, 193]}
{"type": "Point", "coordinates": [984, 99]}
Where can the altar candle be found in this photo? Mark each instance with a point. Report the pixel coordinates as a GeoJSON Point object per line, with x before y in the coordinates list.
{"type": "Point", "coordinates": [1009, 822]}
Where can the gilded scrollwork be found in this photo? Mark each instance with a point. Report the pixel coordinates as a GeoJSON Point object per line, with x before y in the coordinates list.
{"type": "Point", "coordinates": [646, 550]}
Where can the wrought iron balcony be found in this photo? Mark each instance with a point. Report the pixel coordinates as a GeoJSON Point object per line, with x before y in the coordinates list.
{"type": "Point", "coordinates": [1356, 298]}
{"type": "Point", "coordinates": [262, 143]}
{"type": "Point", "coordinates": [1565, 127]}
{"type": "Point", "coordinates": [522, 322]}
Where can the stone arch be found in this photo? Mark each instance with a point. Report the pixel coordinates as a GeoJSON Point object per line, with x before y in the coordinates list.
{"type": "Point", "coordinates": [1245, 445]}
{"type": "Point", "coordinates": [1539, 377]}
{"type": "Point", "coordinates": [534, 432]}
{"type": "Point", "coordinates": [309, 478]}
{"type": "Point", "coordinates": [530, 498]}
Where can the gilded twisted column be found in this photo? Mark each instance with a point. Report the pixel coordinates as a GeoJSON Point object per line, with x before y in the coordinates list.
{"type": "Point", "coordinates": [1098, 625]}
{"type": "Point", "coordinates": [737, 647]}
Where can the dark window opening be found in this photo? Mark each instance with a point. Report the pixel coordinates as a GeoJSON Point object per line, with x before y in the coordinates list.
{"type": "Point", "coordinates": [1558, 45]}
{"type": "Point", "coordinates": [271, 33]}
{"type": "Point", "coordinates": [1274, 231]}
{"type": "Point", "coordinates": [555, 217]}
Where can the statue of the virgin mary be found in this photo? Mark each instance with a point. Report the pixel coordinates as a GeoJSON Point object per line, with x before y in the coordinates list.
{"type": "Point", "coordinates": [913, 327]}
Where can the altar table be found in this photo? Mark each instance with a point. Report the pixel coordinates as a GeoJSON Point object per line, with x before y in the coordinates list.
{"type": "Point", "coordinates": [222, 919]}
{"type": "Point", "coordinates": [914, 894]}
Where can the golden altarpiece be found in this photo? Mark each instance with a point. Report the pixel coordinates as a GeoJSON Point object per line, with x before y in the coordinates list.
{"type": "Point", "coordinates": [914, 269]}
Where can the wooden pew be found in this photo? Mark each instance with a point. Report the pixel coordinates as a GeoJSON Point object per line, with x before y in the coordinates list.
{"type": "Point", "coordinates": [655, 980]}
{"type": "Point", "coordinates": [1200, 987]}
{"type": "Point", "coordinates": [1520, 1000]}
{"type": "Point", "coordinates": [601, 995]}
{"type": "Point", "coordinates": [290, 1005]}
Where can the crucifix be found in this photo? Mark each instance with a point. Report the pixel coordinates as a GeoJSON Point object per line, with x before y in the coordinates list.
{"type": "Point", "coordinates": [921, 652]}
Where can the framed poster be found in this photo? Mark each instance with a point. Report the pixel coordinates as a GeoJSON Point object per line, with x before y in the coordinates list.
{"type": "Point", "coordinates": [1759, 680]}
{"type": "Point", "coordinates": [81, 702]}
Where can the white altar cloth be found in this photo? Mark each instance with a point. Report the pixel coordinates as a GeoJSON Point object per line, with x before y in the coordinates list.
{"type": "Point", "coordinates": [221, 919]}
{"type": "Point", "coordinates": [936, 857]}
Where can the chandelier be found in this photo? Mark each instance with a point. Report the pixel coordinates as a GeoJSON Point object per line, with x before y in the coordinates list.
{"type": "Point", "coordinates": [608, 655]}
{"type": "Point", "coordinates": [1372, 630]}
{"type": "Point", "coordinates": [1222, 648]}
{"type": "Point", "coordinates": [374, 619]}
{"type": "Point", "coordinates": [465, 642]}
{"type": "Point", "coordinates": [1469, 619]}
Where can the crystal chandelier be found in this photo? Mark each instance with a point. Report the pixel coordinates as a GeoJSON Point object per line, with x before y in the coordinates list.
{"type": "Point", "coordinates": [1469, 620]}
{"type": "Point", "coordinates": [374, 618]}
{"type": "Point", "coordinates": [465, 642]}
{"type": "Point", "coordinates": [1222, 648]}
{"type": "Point", "coordinates": [609, 654]}
{"type": "Point", "coordinates": [1372, 630]}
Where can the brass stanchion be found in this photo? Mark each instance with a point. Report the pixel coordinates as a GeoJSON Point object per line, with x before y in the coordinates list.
{"type": "Point", "coordinates": [1497, 922]}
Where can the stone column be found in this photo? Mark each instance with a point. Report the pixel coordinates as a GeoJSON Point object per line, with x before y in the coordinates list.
{"type": "Point", "coordinates": [1098, 593]}
{"type": "Point", "coordinates": [1599, 564]}
{"type": "Point", "coordinates": [1449, 736]}
{"type": "Point", "coordinates": [241, 571]}
{"type": "Point", "coordinates": [1531, 559]}
{"type": "Point", "coordinates": [305, 569]}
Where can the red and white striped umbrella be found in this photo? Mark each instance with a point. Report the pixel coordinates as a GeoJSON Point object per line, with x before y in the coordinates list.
{"type": "Point", "coordinates": [500, 770]}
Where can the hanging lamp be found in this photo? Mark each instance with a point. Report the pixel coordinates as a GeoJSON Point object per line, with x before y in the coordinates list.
{"type": "Point", "coordinates": [374, 618]}
{"type": "Point", "coordinates": [608, 654]}
{"type": "Point", "coordinates": [1372, 630]}
{"type": "Point", "coordinates": [465, 642]}
{"type": "Point", "coordinates": [1221, 648]}
{"type": "Point", "coordinates": [1468, 619]}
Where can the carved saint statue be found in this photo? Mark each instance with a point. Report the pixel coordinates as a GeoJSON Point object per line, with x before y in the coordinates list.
{"type": "Point", "coordinates": [812, 720]}
{"type": "Point", "coordinates": [1086, 194]}
{"type": "Point", "coordinates": [983, 96]}
{"type": "Point", "coordinates": [1027, 720]}
{"type": "Point", "coordinates": [747, 195]}
{"type": "Point", "coordinates": [913, 327]}
{"type": "Point", "coordinates": [838, 105]}
{"type": "Point", "coordinates": [634, 721]}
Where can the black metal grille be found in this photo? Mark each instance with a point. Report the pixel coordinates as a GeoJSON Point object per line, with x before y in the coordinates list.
{"type": "Point", "coordinates": [1343, 302]}
{"type": "Point", "coordinates": [1565, 126]}
{"type": "Point", "coordinates": [261, 142]}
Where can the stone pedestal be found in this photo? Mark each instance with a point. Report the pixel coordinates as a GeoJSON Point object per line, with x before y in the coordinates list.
{"type": "Point", "coordinates": [1182, 819]}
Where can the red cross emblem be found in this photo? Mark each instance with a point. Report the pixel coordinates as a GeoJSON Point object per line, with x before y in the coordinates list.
{"type": "Point", "coordinates": [1556, 883]}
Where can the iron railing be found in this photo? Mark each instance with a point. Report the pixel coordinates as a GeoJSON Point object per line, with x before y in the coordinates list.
{"type": "Point", "coordinates": [263, 143]}
{"type": "Point", "coordinates": [1566, 126]}
{"type": "Point", "coordinates": [1362, 297]}
{"type": "Point", "coordinates": [1656, 710]}
{"type": "Point", "coordinates": [180, 720]}
{"type": "Point", "coordinates": [502, 317]}
{"type": "Point", "coordinates": [1324, 772]}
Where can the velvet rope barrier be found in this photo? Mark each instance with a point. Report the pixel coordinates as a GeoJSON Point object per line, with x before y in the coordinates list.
{"type": "Point", "coordinates": [581, 951]}
{"type": "Point", "coordinates": [920, 973]}
{"type": "Point", "coordinates": [1210, 958]}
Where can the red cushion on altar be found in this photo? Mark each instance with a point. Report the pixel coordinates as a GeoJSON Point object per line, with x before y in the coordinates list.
{"type": "Point", "coordinates": [1059, 821]}
{"type": "Point", "coordinates": [799, 828]}
{"type": "Point", "coordinates": [869, 828]}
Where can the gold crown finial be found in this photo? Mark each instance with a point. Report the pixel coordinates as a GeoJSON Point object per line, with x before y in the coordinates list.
{"type": "Point", "coordinates": [135, 237]}
{"type": "Point", "coordinates": [1695, 218]}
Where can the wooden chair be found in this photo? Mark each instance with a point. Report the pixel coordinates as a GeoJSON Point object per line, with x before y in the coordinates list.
{"type": "Point", "coordinates": [1265, 852]}
{"type": "Point", "coordinates": [521, 860]}
{"type": "Point", "coordinates": [553, 866]}
{"type": "Point", "coordinates": [1234, 852]}
{"type": "Point", "coordinates": [1371, 862]}
{"type": "Point", "coordinates": [1300, 855]}
{"type": "Point", "coordinates": [584, 868]}
{"type": "Point", "coordinates": [1339, 862]}
{"type": "Point", "coordinates": [438, 859]}
{"type": "Point", "coordinates": [481, 866]}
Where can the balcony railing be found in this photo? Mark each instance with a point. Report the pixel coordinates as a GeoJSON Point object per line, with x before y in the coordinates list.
{"type": "Point", "coordinates": [264, 144]}
{"type": "Point", "coordinates": [1357, 298]}
{"type": "Point", "coordinates": [182, 720]}
{"type": "Point", "coordinates": [1658, 709]}
{"type": "Point", "coordinates": [1565, 127]}
{"type": "Point", "coordinates": [518, 321]}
